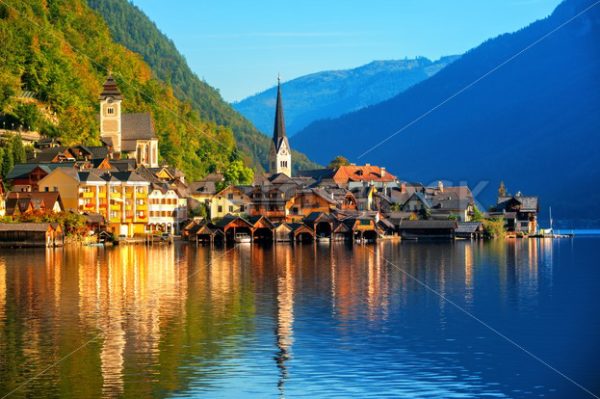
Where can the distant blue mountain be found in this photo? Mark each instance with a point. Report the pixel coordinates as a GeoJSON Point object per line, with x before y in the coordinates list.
{"type": "Point", "coordinates": [534, 122]}
{"type": "Point", "coordinates": [332, 93]}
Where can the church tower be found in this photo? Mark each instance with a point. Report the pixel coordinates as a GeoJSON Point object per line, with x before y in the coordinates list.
{"type": "Point", "coordinates": [280, 157]}
{"type": "Point", "coordinates": [110, 114]}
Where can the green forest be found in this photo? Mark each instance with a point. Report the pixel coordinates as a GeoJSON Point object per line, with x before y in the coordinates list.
{"type": "Point", "coordinates": [56, 55]}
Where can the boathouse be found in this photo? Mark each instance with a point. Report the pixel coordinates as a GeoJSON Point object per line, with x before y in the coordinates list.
{"type": "Point", "coordinates": [283, 232]}
{"type": "Point", "coordinates": [432, 229]}
{"type": "Point", "coordinates": [31, 235]}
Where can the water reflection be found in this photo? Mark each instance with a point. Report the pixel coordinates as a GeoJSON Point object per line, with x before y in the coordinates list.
{"type": "Point", "coordinates": [278, 321]}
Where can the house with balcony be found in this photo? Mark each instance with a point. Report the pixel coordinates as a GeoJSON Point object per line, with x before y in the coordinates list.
{"type": "Point", "coordinates": [120, 197]}
{"type": "Point", "coordinates": [167, 209]}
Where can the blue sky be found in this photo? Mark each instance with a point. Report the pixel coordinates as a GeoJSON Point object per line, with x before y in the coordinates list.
{"type": "Point", "coordinates": [239, 46]}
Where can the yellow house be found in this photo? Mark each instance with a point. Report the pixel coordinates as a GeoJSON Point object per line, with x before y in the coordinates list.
{"type": "Point", "coordinates": [120, 197]}
{"type": "Point", "coordinates": [231, 199]}
{"type": "Point", "coordinates": [66, 182]}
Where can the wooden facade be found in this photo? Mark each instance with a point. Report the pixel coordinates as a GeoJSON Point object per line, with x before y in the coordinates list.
{"type": "Point", "coordinates": [31, 235]}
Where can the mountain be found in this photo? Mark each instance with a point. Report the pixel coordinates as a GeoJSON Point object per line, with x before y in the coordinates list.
{"type": "Point", "coordinates": [522, 107]}
{"type": "Point", "coordinates": [130, 27]}
{"type": "Point", "coordinates": [332, 93]}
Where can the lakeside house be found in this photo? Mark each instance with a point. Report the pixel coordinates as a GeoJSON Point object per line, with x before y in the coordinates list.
{"type": "Point", "coordinates": [518, 211]}
{"type": "Point", "coordinates": [31, 235]}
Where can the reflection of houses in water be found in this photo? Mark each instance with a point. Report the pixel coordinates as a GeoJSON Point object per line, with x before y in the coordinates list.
{"type": "Point", "coordinates": [128, 293]}
{"type": "Point", "coordinates": [359, 282]}
{"type": "Point", "coordinates": [284, 312]}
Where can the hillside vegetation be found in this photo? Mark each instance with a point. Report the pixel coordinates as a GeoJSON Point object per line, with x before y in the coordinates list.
{"type": "Point", "coordinates": [134, 30]}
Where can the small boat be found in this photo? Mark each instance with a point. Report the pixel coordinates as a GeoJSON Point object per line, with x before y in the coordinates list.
{"type": "Point", "coordinates": [242, 238]}
{"type": "Point", "coordinates": [323, 239]}
{"type": "Point", "coordinates": [549, 233]}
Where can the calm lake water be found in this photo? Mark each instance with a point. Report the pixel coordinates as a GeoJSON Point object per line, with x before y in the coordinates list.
{"type": "Point", "coordinates": [330, 321]}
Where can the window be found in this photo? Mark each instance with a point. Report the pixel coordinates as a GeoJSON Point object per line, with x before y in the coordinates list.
{"type": "Point", "coordinates": [113, 215]}
{"type": "Point", "coordinates": [110, 111]}
{"type": "Point", "coordinates": [140, 214]}
{"type": "Point", "coordinates": [219, 209]}
{"type": "Point", "coordinates": [46, 189]}
{"type": "Point", "coordinates": [242, 208]}
{"type": "Point", "coordinates": [230, 208]}
{"type": "Point", "coordinates": [114, 190]}
{"type": "Point", "coordinates": [230, 196]}
{"type": "Point", "coordinates": [140, 202]}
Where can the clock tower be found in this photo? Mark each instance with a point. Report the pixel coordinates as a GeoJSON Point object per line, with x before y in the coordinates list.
{"type": "Point", "coordinates": [110, 114]}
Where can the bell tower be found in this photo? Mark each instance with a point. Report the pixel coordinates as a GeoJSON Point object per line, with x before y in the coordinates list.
{"type": "Point", "coordinates": [110, 114]}
{"type": "Point", "coordinates": [280, 156]}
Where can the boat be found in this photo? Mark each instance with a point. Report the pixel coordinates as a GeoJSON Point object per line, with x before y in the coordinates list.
{"type": "Point", "coordinates": [549, 233]}
{"type": "Point", "coordinates": [323, 239]}
{"type": "Point", "coordinates": [242, 238]}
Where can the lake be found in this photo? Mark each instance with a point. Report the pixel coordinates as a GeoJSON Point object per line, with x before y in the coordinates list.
{"type": "Point", "coordinates": [500, 319]}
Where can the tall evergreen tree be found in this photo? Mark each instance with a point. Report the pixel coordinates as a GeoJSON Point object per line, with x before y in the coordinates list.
{"type": "Point", "coordinates": [18, 150]}
{"type": "Point", "coordinates": [7, 162]}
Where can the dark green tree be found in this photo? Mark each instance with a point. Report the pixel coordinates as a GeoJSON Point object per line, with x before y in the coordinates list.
{"type": "Point", "coordinates": [7, 162]}
{"type": "Point", "coordinates": [338, 161]}
{"type": "Point", "coordinates": [18, 150]}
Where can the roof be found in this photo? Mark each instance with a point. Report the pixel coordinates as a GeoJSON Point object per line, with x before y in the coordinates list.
{"type": "Point", "coordinates": [318, 216]}
{"type": "Point", "coordinates": [110, 89]}
{"type": "Point", "coordinates": [203, 187]}
{"type": "Point", "coordinates": [136, 127]}
{"type": "Point", "coordinates": [36, 199]}
{"type": "Point", "coordinates": [317, 174]}
{"type": "Point", "coordinates": [25, 226]}
{"type": "Point", "coordinates": [427, 224]}
{"type": "Point", "coordinates": [367, 172]}
{"type": "Point", "coordinates": [230, 218]}
{"type": "Point", "coordinates": [527, 203]}
{"type": "Point", "coordinates": [279, 135]}
{"type": "Point", "coordinates": [467, 227]}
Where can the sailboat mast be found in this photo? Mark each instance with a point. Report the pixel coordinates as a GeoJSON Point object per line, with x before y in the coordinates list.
{"type": "Point", "coordinates": [551, 229]}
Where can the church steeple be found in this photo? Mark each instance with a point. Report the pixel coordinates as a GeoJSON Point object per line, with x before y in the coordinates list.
{"type": "Point", "coordinates": [110, 89]}
{"type": "Point", "coordinates": [279, 128]}
{"type": "Point", "coordinates": [280, 159]}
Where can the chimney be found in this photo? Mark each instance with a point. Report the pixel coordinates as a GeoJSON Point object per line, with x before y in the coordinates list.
{"type": "Point", "coordinates": [403, 188]}
{"type": "Point", "coordinates": [382, 171]}
{"type": "Point", "coordinates": [367, 164]}
{"type": "Point", "coordinates": [440, 186]}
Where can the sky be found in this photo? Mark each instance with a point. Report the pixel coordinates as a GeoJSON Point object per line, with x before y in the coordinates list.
{"type": "Point", "coordinates": [240, 46]}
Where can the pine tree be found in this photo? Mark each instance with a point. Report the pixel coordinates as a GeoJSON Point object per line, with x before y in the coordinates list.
{"type": "Point", "coordinates": [7, 162]}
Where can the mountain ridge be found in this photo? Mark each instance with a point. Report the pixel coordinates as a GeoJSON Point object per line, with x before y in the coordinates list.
{"type": "Point", "coordinates": [330, 93]}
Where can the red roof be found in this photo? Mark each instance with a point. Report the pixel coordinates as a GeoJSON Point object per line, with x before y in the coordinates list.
{"type": "Point", "coordinates": [344, 174]}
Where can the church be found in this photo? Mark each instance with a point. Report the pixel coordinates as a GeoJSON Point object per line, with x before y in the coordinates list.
{"type": "Point", "coordinates": [280, 156]}
{"type": "Point", "coordinates": [130, 135]}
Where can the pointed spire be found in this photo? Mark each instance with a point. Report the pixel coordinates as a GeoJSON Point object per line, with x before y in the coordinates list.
{"type": "Point", "coordinates": [279, 128]}
{"type": "Point", "coordinates": [110, 89]}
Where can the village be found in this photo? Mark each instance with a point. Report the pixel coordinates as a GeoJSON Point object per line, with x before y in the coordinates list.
{"type": "Point", "coordinates": [122, 193]}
